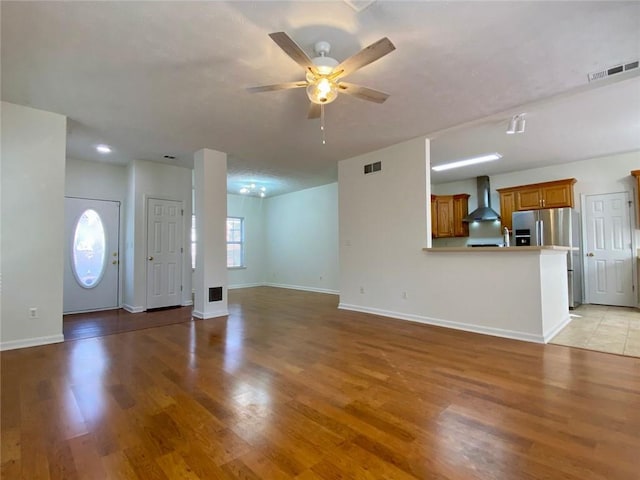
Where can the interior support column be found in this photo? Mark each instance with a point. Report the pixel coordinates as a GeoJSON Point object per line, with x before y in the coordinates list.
{"type": "Point", "coordinates": [210, 278]}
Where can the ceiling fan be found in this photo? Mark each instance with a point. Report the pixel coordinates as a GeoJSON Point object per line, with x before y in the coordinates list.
{"type": "Point", "coordinates": [324, 74]}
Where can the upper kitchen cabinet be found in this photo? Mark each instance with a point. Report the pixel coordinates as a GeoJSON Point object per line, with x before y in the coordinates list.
{"type": "Point", "coordinates": [636, 174]}
{"type": "Point", "coordinates": [447, 212]}
{"type": "Point", "coordinates": [536, 196]}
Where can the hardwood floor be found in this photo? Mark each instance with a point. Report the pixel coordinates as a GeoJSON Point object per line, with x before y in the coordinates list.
{"type": "Point", "coordinates": [108, 322]}
{"type": "Point", "coordinates": [290, 387]}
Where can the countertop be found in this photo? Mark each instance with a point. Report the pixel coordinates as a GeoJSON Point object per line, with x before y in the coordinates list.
{"type": "Point", "coordinates": [499, 249]}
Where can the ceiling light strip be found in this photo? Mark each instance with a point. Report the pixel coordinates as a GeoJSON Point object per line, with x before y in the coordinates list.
{"type": "Point", "coordinates": [469, 161]}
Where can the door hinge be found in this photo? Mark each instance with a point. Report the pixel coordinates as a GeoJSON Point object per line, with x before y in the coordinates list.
{"type": "Point", "coordinates": [182, 212]}
{"type": "Point", "coordinates": [180, 287]}
{"type": "Point", "coordinates": [181, 250]}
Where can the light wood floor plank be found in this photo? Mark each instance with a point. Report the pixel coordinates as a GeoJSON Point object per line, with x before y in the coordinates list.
{"type": "Point", "coordinates": [288, 386]}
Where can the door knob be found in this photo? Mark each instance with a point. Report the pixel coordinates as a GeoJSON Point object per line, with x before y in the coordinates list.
{"type": "Point", "coordinates": [589, 254]}
{"type": "Point", "coordinates": [150, 258]}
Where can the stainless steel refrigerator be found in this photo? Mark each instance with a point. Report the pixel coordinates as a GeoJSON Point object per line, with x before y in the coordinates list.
{"type": "Point", "coordinates": [554, 226]}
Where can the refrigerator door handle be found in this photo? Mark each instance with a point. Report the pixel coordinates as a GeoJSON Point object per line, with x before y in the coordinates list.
{"type": "Point", "coordinates": [540, 225]}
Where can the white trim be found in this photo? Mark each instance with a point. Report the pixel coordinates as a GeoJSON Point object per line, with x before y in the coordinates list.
{"type": "Point", "coordinates": [245, 285]}
{"type": "Point", "coordinates": [132, 309]}
{"type": "Point", "coordinates": [554, 331]}
{"type": "Point", "coordinates": [187, 303]}
{"type": "Point", "coordinates": [496, 332]}
{"type": "Point", "coordinates": [206, 316]}
{"type": "Point", "coordinates": [31, 342]}
{"type": "Point", "coordinates": [300, 287]}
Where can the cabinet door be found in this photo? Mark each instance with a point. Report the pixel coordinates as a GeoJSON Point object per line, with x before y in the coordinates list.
{"type": "Point", "coordinates": [507, 207]}
{"type": "Point", "coordinates": [434, 218]}
{"type": "Point", "coordinates": [557, 196]}
{"type": "Point", "coordinates": [460, 210]}
{"type": "Point", "coordinates": [529, 198]}
{"type": "Point", "coordinates": [444, 215]}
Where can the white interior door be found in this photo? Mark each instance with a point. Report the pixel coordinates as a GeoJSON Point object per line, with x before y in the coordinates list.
{"type": "Point", "coordinates": [164, 253]}
{"type": "Point", "coordinates": [608, 250]}
{"type": "Point", "coordinates": [91, 256]}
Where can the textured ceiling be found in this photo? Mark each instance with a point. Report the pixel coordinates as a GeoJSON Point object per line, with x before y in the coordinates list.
{"type": "Point", "coordinates": [157, 78]}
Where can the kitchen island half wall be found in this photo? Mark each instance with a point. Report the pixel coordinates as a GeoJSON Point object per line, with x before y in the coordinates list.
{"type": "Point", "coordinates": [515, 292]}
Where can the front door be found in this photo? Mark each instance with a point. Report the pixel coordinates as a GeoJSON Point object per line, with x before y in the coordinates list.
{"type": "Point", "coordinates": [608, 250]}
{"type": "Point", "coordinates": [164, 253]}
{"type": "Point", "coordinates": [91, 255]}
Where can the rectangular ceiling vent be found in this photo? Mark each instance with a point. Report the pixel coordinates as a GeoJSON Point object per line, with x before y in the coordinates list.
{"type": "Point", "coordinates": [624, 67]}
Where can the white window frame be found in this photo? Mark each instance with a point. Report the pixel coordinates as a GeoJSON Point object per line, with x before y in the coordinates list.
{"type": "Point", "coordinates": [241, 243]}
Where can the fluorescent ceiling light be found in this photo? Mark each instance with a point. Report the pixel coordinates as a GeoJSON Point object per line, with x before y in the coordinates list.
{"type": "Point", "coordinates": [469, 161]}
{"type": "Point", "coordinates": [103, 148]}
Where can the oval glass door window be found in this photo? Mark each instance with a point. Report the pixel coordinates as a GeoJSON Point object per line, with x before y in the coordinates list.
{"type": "Point", "coordinates": [89, 249]}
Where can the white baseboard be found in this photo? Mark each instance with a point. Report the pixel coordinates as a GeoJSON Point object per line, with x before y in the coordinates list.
{"type": "Point", "coordinates": [31, 342]}
{"type": "Point", "coordinates": [132, 309]}
{"type": "Point", "coordinates": [554, 331]}
{"type": "Point", "coordinates": [244, 285]}
{"type": "Point", "coordinates": [206, 316]}
{"type": "Point", "coordinates": [300, 287]}
{"type": "Point", "coordinates": [188, 303]}
{"type": "Point", "coordinates": [496, 332]}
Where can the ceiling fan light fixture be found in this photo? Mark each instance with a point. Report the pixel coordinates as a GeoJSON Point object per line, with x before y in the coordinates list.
{"type": "Point", "coordinates": [322, 91]}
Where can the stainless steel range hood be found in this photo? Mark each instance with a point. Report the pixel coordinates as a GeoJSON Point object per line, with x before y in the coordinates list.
{"type": "Point", "coordinates": [484, 212]}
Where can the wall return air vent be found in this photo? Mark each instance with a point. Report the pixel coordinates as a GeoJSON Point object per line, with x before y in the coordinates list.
{"type": "Point", "coordinates": [623, 67]}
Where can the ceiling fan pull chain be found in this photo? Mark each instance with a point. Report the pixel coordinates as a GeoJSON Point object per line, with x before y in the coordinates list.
{"type": "Point", "coordinates": [324, 141]}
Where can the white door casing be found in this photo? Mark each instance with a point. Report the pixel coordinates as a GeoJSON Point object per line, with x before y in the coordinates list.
{"type": "Point", "coordinates": [608, 250]}
{"type": "Point", "coordinates": [91, 270]}
{"type": "Point", "coordinates": [164, 252]}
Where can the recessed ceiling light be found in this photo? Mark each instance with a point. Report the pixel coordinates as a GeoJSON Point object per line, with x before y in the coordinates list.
{"type": "Point", "coordinates": [103, 148]}
{"type": "Point", "coordinates": [469, 161]}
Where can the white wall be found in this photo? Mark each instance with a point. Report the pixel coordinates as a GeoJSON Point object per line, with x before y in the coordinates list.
{"type": "Point", "coordinates": [301, 243]}
{"type": "Point", "coordinates": [33, 162]}
{"type": "Point", "coordinates": [153, 180]}
{"type": "Point", "coordinates": [100, 181]}
{"type": "Point", "coordinates": [252, 210]}
{"type": "Point", "coordinates": [383, 228]}
{"type": "Point", "coordinates": [383, 225]}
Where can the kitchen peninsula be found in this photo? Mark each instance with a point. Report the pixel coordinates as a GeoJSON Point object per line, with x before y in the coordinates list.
{"type": "Point", "coordinates": [515, 292]}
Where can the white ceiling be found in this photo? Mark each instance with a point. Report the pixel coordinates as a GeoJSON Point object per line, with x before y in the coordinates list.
{"type": "Point", "coordinates": [157, 78]}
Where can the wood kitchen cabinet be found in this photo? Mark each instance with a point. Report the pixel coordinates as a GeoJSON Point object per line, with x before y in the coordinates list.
{"type": "Point", "coordinates": [636, 174]}
{"type": "Point", "coordinates": [447, 212]}
{"type": "Point", "coordinates": [507, 207]}
{"type": "Point", "coordinates": [536, 196]}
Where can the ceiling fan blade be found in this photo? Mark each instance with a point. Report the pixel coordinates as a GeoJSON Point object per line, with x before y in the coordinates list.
{"type": "Point", "coordinates": [291, 48]}
{"type": "Point", "coordinates": [277, 86]}
{"type": "Point", "coordinates": [314, 111]}
{"type": "Point", "coordinates": [363, 93]}
{"type": "Point", "coordinates": [364, 57]}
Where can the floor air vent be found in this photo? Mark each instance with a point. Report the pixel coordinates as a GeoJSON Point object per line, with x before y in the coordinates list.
{"type": "Point", "coordinates": [625, 67]}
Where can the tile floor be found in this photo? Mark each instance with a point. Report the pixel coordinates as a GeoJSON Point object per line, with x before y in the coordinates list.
{"type": "Point", "coordinates": [603, 328]}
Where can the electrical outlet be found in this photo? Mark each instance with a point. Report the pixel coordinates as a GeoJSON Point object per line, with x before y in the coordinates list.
{"type": "Point", "coordinates": [361, 289]}
{"type": "Point", "coordinates": [320, 277]}
{"type": "Point", "coordinates": [33, 312]}
{"type": "Point", "coordinates": [405, 295]}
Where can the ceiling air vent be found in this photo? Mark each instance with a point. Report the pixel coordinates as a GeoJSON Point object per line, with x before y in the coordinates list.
{"type": "Point", "coordinates": [624, 67]}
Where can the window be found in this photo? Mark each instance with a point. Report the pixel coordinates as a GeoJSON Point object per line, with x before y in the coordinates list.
{"type": "Point", "coordinates": [235, 242]}
{"type": "Point", "coordinates": [89, 249]}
